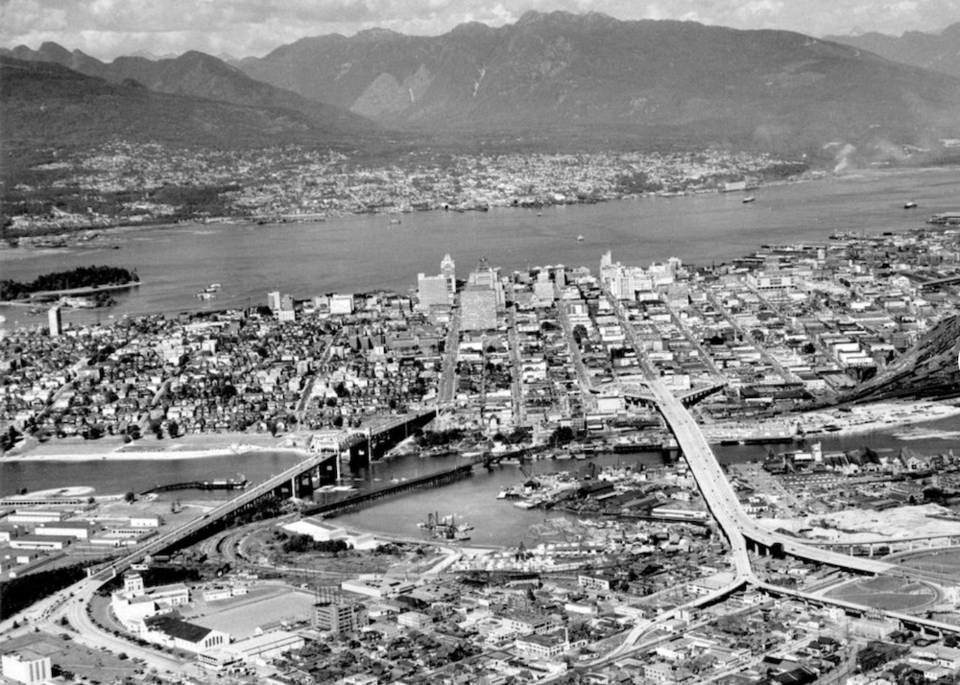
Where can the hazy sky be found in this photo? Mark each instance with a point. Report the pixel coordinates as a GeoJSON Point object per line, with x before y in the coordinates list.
{"type": "Point", "coordinates": [107, 28]}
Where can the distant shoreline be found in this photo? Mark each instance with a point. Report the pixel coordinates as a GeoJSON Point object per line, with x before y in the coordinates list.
{"type": "Point", "coordinates": [68, 233]}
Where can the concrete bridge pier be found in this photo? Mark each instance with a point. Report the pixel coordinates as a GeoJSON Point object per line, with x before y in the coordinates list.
{"type": "Point", "coordinates": [359, 455]}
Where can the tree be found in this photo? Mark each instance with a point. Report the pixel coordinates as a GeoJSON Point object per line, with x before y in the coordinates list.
{"type": "Point", "coordinates": [130, 497]}
{"type": "Point", "coordinates": [561, 435]}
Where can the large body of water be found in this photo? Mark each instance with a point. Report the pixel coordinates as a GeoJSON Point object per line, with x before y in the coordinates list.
{"type": "Point", "coordinates": [368, 253]}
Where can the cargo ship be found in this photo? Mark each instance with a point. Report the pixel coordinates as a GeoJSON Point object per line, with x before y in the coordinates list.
{"type": "Point", "coordinates": [223, 484]}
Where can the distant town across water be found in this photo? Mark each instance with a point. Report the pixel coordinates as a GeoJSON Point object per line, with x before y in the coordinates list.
{"type": "Point", "coordinates": [362, 254]}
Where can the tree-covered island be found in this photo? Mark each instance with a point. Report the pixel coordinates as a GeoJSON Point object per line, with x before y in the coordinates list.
{"type": "Point", "coordinates": [81, 279]}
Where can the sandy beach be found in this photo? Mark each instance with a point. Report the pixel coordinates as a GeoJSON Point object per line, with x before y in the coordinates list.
{"type": "Point", "coordinates": [187, 447]}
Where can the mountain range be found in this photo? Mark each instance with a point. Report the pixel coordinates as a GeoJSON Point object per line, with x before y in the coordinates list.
{"type": "Point", "coordinates": [558, 79]}
{"type": "Point", "coordinates": [936, 51]}
{"type": "Point", "coordinates": [198, 75]}
{"type": "Point", "coordinates": [640, 80]}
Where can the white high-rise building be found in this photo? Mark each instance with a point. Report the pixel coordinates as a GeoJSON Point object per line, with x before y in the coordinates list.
{"type": "Point", "coordinates": [449, 271]}
{"type": "Point", "coordinates": [55, 320]}
{"type": "Point", "coordinates": [26, 666]}
{"type": "Point", "coordinates": [273, 300]}
{"type": "Point", "coordinates": [433, 290]}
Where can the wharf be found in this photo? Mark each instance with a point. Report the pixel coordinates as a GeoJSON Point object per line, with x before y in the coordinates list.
{"type": "Point", "coordinates": [232, 484]}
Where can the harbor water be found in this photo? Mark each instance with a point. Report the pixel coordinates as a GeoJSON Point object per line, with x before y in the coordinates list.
{"type": "Point", "coordinates": [361, 254]}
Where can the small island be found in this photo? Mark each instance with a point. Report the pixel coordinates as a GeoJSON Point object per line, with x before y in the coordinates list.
{"type": "Point", "coordinates": [84, 286]}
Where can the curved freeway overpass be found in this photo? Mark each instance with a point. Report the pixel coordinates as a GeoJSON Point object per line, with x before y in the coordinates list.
{"type": "Point", "coordinates": [722, 500]}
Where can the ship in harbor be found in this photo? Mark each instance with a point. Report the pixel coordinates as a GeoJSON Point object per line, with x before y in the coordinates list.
{"type": "Point", "coordinates": [209, 293]}
{"type": "Point", "coordinates": [446, 528]}
{"type": "Point", "coordinates": [238, 483]}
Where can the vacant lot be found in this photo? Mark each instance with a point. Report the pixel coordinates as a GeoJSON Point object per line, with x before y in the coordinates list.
{"type": "Point", "coordinates": [892, 594]}
{"type": "Point", "coordinates": [947, 562]}
{"type": "Point", "coordinates": [240, 616]}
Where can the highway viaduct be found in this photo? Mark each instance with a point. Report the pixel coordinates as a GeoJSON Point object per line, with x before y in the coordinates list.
{"type": "Point", "coordinates": [744, 533]}
{"type": "Point", "coordinates": [289, 483]}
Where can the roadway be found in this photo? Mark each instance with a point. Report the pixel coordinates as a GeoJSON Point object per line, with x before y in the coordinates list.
{"type": "Point", "coordinates": [587, 390]}
{"type": "Point", "coordinates": [516, 364]}
{"type": "Point", "coordinates": [713, 483]}
{"type": "Point", "coordinates": [786, 375]}
{"type": "Point", "coordinates": [448, 375]}
{"type": "Point", "coordinates": [733, 520]}
{"type": "Point", "coordinates": [246, 497]}
{"type": "Point", "coordinates": [723, 501]}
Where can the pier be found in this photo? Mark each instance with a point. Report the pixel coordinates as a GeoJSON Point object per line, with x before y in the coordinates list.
{"type": "Point", "coordinates": [199, 485]}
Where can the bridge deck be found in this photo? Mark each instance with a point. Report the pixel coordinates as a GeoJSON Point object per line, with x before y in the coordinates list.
{"type": "Point", "coordinates": [723, 501]}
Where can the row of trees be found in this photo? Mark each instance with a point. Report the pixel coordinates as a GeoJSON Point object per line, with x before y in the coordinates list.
{"type": "Point", "coordinates": [297, 544]}
{"type": "Point", "coordinates": [19, 593]}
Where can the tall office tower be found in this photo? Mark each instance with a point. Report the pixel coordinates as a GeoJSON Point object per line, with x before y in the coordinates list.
{"type": "Point", "coordinates": [484, 277]}
{"type": "Point", "coordinates": [337, 616]}
{"type": "Point", "coordinates": [449, 271]}
{"type": "Point", "coordinates": [273, 300]}
{"type": "Point", "coordinates": [432, 290]}
{"type": "Point", "coordinates": [55, 320]}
